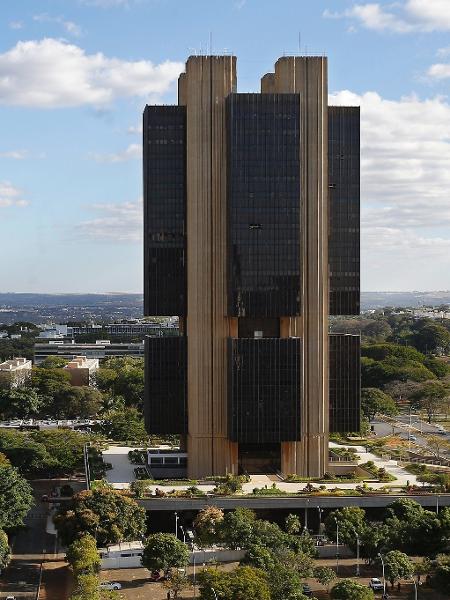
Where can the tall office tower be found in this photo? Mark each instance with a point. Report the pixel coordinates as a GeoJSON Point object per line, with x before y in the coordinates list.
{"type": "Point", "coordinates": [251, 233]}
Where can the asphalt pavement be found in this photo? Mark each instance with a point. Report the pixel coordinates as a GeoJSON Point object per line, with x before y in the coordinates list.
{"type": "Point", "coordinates": [29, 545]}
{"type": "Point", "coordinates": [400, 427]}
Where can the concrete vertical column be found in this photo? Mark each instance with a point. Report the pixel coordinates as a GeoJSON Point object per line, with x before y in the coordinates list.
{"type": "Point", "coordinates": [203, 89]}
{"type": "Point", "coordinates": [308, 77]}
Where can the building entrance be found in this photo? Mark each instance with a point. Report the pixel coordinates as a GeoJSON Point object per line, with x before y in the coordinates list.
{"type": "Point", "coordinates": [259, 458]}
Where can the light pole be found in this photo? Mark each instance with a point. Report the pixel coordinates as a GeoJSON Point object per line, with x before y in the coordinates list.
{"type": "Point", "coordinates": [193, 562]}
{"type": "Point", "coordinates": [437, 504]}
{"type": "Point", "coordinates": [357, 554]}
{"type": "Point", "coordinates": [415, 587]}
{"type": "Point", "coordinates": [320, 518]}
{"type": "Point", "coordinates": [306, 515]}
{"type": "Point", "coordinates": [384, 579]}
{"type": "Point", "coordinates": [184, 533]}
{"type": "Point", "coordinates": [337, 545]}
{"type": "Point", "coordinates": [176, 525]}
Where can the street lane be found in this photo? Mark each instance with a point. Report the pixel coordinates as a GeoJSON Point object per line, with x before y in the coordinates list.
{"type": "Point", "coordinates": [29, 545]}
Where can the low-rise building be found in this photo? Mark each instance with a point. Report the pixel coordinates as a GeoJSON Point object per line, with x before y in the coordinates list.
{"type": "Point", "coordinates": [125, 555]}
{"type": "Point", "coordinates": [82, 370]}
{"type": "Point", "coordinates": [15, 372]}
{"type": "Point", "coordinates": [100, 349]}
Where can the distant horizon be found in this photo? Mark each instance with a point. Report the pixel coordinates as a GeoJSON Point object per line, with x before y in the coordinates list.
{"type": "Point", "coordinates": [141, 293]}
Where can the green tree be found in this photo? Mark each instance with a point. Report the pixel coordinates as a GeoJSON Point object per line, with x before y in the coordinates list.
{"type": "Point", "coordinates": [177, 582]}
{"type": "Point", "coordinates": [164, 551]}
{"type": "Point", "coordinates": [442, 572]}
{"type": "Point", "coordinates": [437, 445]}
{"type": "Point", "coordinates": [86, 588]}
{"type": "Point", "coordinates": [374, 401]}
{"type": "Point", "coordinates": [76, 402]}
{"type": "Point", "coordinates": [124, 425]}
{"type": "Point", "coordinates": [207, 525]}
{"type": "Point", "coordinates": [430, 397]}
{"type": "Point", "coordinates": [49, 381]}
{"type": "Point", "coordinates": [432, 338]}
{"type": "Point", "coordinates": [242, 583]}
{"type": "Point", "coordinates": [53, 362]}
{"type": "Point", "coordinates": [109, 516]}
{"type": "Point", "coordinates": [325, 576]}
{"type": "Point", "coordinates": [285, 583]}
{"type": "Point", "coordinates": [83, 556]}
{"type": "Point", "coordinates": [139, 487]}
{"type": "Point", "coordinates": [415, 531]}
{"type": "Point", "coordinates": [237, 528]}
{"type": "Point", "coordinates": [351, 519]}
{"type": "Point", "coordinates": [293, 524]}
{"type": "Point", "coordinates": [5, 553]}
{"type": "Point", "coordinates": [24, 452]}
{"type": "Point", "coordinates": [16, 497]}
{"type": "Point", "coordinates": [347, 589]}
{"type": "Point", "coordinates": [65, 448]}
{"type": "Point", "coordinates": [397, 566]}
{"type": "Point", "coordinates": [19, 403]}
{"type": "Point", "coordinates": [123, 376]}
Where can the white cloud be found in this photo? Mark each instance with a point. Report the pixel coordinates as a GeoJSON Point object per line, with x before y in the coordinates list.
{"type": "Point", "coordinates": [133, 151]}
{"type": "Point", "coordinates": [405, 178]}
{"type": "Point", "coordinates": [10, 195]}
{"type": "Point", "coordinates": [15, 25]}
{"type": "Point", "coordinates": [118, 222]}
{"type": "Point", "coordinates": [15, 154]}
{"type": "Point", "coordinates": [69, 26]}
{"type": "Point", "coordinates": [439, 71]}
{"type": "Point", "coordinates": [410, 16]}
{"type": "Point", "coordinates": [53, 73]}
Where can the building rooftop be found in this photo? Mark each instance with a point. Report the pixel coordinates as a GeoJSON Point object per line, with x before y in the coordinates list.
{"type": "Point", "coordinates": [15, 363]}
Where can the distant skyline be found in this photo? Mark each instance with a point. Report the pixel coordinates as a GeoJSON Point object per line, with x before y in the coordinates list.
{"type": "Point", "coordinates": [75, 76]}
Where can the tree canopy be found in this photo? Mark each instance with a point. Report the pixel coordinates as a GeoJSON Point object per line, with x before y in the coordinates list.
{"type": "Point", "coordinates": [164, 551]}
{"type": "Point", "coordinates": [16, 497]}
{"type": "Point", "coordinates": [243, 582]}
{"type": "Point", "coordinates": [347, 589]}
{"type": "Point", "coordinates": [106, 514]}
{"type": "Point", "coordinates": [375, 401]}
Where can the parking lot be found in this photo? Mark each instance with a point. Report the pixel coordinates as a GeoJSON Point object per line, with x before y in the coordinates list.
{"type": "Point", "coordinates": [136, 586]}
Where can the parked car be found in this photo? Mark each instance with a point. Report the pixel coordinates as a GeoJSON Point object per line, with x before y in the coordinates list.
{"type": "Point", "coordinates": [413, 438]}
{"type": "Point", "coordinates": [376, 584]}
{"type": "Point", "coordinates": [110, 585]}
{"type": "Point", "coordinates": [307, 591]}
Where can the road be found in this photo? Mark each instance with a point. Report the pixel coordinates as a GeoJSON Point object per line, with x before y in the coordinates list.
{"type": "Point", "coordinates": [401, 428]}
{"type": "Point", "coordinates": [21, 578]}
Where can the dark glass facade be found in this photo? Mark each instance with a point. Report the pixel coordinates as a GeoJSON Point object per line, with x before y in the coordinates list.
{"type": "Point", "coordinates": [343, 203]}
{"type": "Point", "coordinates": [345, 382]}
{"type": "Point", "coordinates": [165, 385]}
{"type": "Point", "coordinates": [164, 210]}
{"type": "Point", "coordinates": [264, 387]}
{"type": "Point", "coordinates": [263, 192]}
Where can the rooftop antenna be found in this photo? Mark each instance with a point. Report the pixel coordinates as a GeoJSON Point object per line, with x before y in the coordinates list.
{"type": "Point", "coordinates": [210, 43]}
{"type": "Point", "coordinates": [299, 42]}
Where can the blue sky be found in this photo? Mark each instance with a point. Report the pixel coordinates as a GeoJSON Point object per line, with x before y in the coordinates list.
{"type": "Point", "coordinates": [76, 74]}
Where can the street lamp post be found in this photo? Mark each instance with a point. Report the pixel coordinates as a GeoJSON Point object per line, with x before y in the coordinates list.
{"type": "Point", "coordinates": [337, 545]}
{"type": "Point", "coordinates": [437, 504]}
{"type": "Point", "coordinates": [306, 515]}
{"type": "Point", "coordinates": [183, 532]}
{"type": "Point", "coordinates": [176, 524]}
{"type": "Point", "coordinates": [357, 554]}
{"type": "Point", "coordinates": [415, 587]}
{"type": "Point", "coordinates": [384, 579]}
{"type": "Point", "coordinates": [320, 518]}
